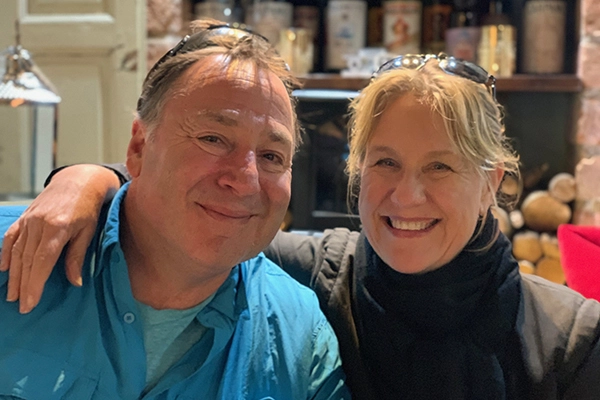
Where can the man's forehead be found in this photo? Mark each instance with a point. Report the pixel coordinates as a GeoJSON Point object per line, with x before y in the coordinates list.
{"type": "Point", "coordinates": [220, 68]}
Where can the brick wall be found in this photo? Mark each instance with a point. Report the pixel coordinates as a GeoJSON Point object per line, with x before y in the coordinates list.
{"type": "Point", "coordinates": [167, 23]}
{"type": "Point", "coordinates": [588, 70]}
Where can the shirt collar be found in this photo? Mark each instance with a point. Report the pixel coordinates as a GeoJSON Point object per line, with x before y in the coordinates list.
{"type": "Point", "coordinates": [111, 231]}
{"type": "Point", "coordinates": [230, 299]}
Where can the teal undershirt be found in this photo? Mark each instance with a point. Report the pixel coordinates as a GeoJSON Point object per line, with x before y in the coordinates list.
{"type": "Point", "coordinates": [168, 335]}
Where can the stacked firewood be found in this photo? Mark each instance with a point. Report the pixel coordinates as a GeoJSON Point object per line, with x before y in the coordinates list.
{"type": "Point", "coordinates": [533, 224]}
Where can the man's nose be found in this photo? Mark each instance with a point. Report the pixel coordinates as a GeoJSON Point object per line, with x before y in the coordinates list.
{"type": "Point", "coordinates": [241, 174]}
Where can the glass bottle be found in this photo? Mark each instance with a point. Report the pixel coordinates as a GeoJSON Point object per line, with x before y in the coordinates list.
{"type": "Point", "coordinates": [496, 52]}
{"type": "Point", "coordinates": [346, 31]}
{"type": "Point", "coordinates": [544, 36]}
{"type": "Point", "coordinates": [402, 26]}
{"type": "Point", "coordinates": [462, 38]}
{"type": "Point", "coordinates": [269, 17]}
{"type": "Point", "coordinates": [307, 15]}
{"type": "Point", "coordinates": [217, 9]}
{"type": "Point", "coordinates": [375, 24]}
{"type": "Point", "coordinates": [436, 21]}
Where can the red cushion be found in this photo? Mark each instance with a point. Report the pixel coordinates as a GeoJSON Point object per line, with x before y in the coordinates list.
{"type": "Point", "coordinates": [580, 258]}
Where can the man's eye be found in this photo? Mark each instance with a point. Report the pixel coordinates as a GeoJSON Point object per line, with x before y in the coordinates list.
{"type": "Point", "coordinates": [210, 139]}
{"type": "Point", "coordinates": [274, 158]}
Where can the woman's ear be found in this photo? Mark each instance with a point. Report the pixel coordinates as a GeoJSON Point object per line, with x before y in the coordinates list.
{"type": "Point", "coordinates": [494, 179]}
{"type": "Point", "coordinates": [135, 150]}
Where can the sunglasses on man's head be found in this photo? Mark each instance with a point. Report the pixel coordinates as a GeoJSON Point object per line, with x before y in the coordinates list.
{"type": "Point", "coordinates": [448, 64]}
{"type": "Point", "coordinates": [202, 39]}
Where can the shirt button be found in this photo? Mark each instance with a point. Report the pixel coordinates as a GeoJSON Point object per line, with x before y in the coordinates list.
{"type": "Point", "coordinates": [115, 258]}
{"type": "Point", "coordinates": [128, 317]}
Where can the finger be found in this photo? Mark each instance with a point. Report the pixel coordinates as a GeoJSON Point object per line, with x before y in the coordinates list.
{"type": "Point", "coordinates": [76, 255]}
{"type": "Point", "coordinates": [10, 237]}
{"type": "Point", "coordinates": [15, 270]}
{"type": "Point", "coordinates": [46, 255]}
{"type": "Point", "coordinates": [32, 243]}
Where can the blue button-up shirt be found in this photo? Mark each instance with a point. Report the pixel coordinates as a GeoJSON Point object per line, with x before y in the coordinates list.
{"type": "Point", "coordinates": [266, 337]}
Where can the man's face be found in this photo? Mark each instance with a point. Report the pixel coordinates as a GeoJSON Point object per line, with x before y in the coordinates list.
{"type": "Point", "coordinates": [212, 181]}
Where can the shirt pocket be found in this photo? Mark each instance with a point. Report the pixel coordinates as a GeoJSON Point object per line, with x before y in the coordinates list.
{"type": "Point", "coordinates": [25, 374]}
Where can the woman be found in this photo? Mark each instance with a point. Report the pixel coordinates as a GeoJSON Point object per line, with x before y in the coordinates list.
{"type": "Point", "coordinates": [427, 301]}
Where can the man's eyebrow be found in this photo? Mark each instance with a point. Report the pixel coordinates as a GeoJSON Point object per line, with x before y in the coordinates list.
{"type": "Point", "coordinates": [218, 117]}
{"type": "Point", "coordinates": [274, 136]}
{"type": "Point", "coordinates": [278, 136]}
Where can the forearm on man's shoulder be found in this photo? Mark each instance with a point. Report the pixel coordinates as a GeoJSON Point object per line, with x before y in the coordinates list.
{"type": "Point", "coordinates": [78, 171]}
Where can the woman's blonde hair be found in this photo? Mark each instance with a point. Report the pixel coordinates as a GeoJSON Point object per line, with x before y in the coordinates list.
{"type": "Point", "coordinates": [472, 118]}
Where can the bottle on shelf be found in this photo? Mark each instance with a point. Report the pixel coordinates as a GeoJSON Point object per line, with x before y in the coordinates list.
{"type": "Point", "coordinates": [269, 17]}
{"type": "Point", "coordinates": [495, 15]}
{"type": "Point", "coordinates": [222, 10]}
{"type": "Point", "coordinates": [375, 24]}
{"type": "Point", "coordinates": [436, 21]}
{"type": "Point", "coordinates": [346, 25]}
{"type": "Point", "coordinates": [238, 12]}
{"type": "Point", "coordinates": [402, 26]}
{"type": "Point", "coordinates": [544, 24]}
{"type": "Point", "coordinates": [462, 38]}
{"type": "Point", "coordinates": [497, 46]}
{"type": "Point", "coordinates": [307, 15]}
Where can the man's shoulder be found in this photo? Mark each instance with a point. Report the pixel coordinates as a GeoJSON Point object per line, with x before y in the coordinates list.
{"type": "Point", "coordinates": [266, 282]}
{"type": "Point", "coordinates": [263, 272]}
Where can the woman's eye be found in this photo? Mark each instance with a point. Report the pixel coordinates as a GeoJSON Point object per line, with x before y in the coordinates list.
{"type": "Point", "coordinates": [440, 167]}
{"type": "Point", "coordinates": [385, 162]}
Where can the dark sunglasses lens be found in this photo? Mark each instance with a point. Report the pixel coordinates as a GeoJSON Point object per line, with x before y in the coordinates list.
{"type": "Point", "coordinates": [464, 69]}
{"type": "Point", "coordinates": [405, 61]}
{"type": "Point", "coordinates": [389, 65]}
{"type": "Point", "coordinates": [202, 39]}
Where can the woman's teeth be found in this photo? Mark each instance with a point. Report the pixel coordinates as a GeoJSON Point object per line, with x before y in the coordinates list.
{"type": "Point", "coordinates": [412, 225]}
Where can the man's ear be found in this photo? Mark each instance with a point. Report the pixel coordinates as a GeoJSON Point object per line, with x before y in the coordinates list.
{"type": "Point", "coordinates": [135, 150]}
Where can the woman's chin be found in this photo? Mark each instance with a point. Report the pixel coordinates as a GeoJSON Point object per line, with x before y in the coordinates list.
{"type": "Point", "coordinates": [413, 266]}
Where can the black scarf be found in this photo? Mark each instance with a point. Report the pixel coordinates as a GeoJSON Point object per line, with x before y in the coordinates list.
{"type": "Point", "coordinates": [446, 334]}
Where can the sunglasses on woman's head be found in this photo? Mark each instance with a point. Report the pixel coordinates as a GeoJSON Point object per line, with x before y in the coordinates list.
{"type": "Point", "coordinates": [448, 64]}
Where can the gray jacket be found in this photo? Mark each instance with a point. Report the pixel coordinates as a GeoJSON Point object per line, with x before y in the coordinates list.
{"type": "Point", "coordinates": [558, 329]}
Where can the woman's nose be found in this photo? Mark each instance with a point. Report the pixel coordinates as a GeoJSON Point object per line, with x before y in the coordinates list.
{"type": "Point", "coordinates": [409, 191]}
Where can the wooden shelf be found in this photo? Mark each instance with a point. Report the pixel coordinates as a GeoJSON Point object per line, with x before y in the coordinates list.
{"type": "Point", "coordinates": [516, 83]}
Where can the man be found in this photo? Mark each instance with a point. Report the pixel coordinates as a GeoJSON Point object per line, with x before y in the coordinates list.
{"type": "Point", "coordinates": [177, 303]}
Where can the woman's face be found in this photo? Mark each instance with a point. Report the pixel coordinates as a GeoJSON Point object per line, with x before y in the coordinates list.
{"type": "Point", "coordinates": [419, 198]}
